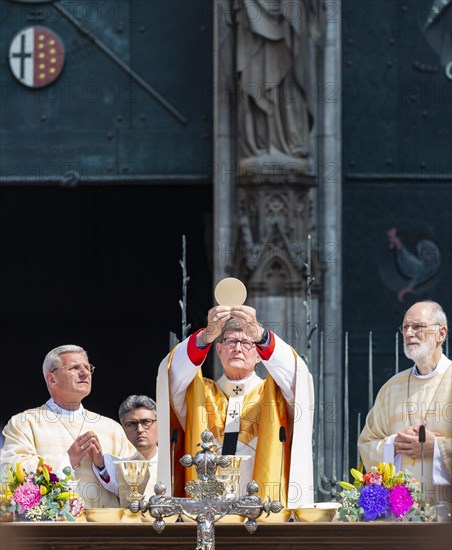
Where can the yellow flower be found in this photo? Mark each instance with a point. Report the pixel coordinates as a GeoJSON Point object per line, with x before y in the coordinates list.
{"type": "Point", "coordinates": [42, 466]}
{"type": "Point", "coordinates": [387, 470]}
{"type": "Point", "coordinates": [346, 485]}
{"type": "Point", "coordinates": [10, 477]}
{"type": "Point", "coordinates": [64, 496]}
{"type": "Point", "coordinates": [45, 471]}
{"type": "Point", "coordinates": [357, 475]}
{"type": "Point", "coordinates": [5, 494]}
{"type": "Point", "coordinates": [392, 470]}
{"type": "Point", "coordinates": [20, 473]}
{"type": "Point", "coordinates": [383, 470]}
{"type": "Point", "coordinates": [43, 490]}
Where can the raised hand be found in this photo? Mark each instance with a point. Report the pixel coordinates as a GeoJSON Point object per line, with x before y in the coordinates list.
{"type": "Point", "coordinates": [246, 316]}
{"type": "Point", "coordinates": [216, 318]}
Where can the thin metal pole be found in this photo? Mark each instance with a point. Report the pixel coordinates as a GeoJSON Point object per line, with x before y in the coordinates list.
{"type": "Point", "coordinates": [185, 280]}
{"type": "Point", "coordinates": [358, 431]}
{"type": "Point", "coordinates": [321, 477]}
{"type": "Point", "coordinates": [308, 303]}
{"type": "Point", "coordinates": [396, 352]}
{"type": "Point", "coordinates": [333, 467]}
{"type": "Point", "coordinates": [173, 340]}
{"type": "Point", "coordinates": [371, 374]}
{"type": "Point", "coordinates": [346, 462]}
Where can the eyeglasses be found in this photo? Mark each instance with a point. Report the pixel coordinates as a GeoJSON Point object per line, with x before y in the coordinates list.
{"type": "Point", "coordinates": [231, 343]}
{"type": "Point", "coordinates": [77, 369]}
{"type": "Point", "coordinates": [416, 328]}
{"type": "Point", "coordinates": [133, 424]}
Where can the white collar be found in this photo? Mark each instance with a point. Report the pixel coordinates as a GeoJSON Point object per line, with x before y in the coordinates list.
{"type": "Point", "coordinates": [237, 388]}
{"type": "Point", "coordinates": [58, 410]}
{"type": "Point", "coordinates": [139, 456]}
{"type": "Point", "coordinates": [440, 368]}
{"type": "Point", "coordinates": [155, 458]}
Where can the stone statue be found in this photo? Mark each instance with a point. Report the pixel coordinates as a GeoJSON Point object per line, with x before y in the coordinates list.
{"type": "Point", "coordinates": [273, 70]}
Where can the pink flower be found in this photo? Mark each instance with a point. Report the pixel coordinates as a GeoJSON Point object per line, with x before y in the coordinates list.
{"type": "Point", "coordinates": [75, 507]}
{"type": "Point", "coordinates": [371, 478]}
{"type": "Point", "coordinates": [27, 495]}
{"type": "Point", "coordinates": [400, 500]}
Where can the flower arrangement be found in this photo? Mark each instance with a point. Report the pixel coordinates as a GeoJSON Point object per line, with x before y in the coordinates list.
{"type": "Point", "coordinates": [39, 495]}
{"type": "Point", "coordinates": [382, 493]}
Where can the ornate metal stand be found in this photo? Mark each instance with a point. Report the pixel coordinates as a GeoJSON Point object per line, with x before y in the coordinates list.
{"type": "Point", "coordinates": [206, 505]}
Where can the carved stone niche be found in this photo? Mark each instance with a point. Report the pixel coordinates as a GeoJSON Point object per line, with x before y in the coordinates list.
{"type": "Point", "coordinates": [274, 171]}
{"type": "Point", "coordinates": [271, 236]}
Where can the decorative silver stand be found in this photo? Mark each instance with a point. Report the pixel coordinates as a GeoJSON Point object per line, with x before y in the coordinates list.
{"type": "Point", "coordinates": [206, 505]}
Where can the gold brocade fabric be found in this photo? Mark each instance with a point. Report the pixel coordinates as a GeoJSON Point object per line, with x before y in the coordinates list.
{"type": "Point", "coordinates": [264, 412]}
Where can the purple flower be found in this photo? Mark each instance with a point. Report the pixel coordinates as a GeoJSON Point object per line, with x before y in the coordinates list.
{"type": "Point", "coordinates": [53, 478]}
{"type": "Point", "coordinates": [400, 500]}
{"type": "Point", "coordinates": [27, 495]}
{"type": "Point", "coordinates": [374, 501]}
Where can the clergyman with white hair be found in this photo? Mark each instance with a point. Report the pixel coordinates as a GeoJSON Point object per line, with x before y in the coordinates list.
{"type": "Point", "coordinates": [63, 432]}
{"type": "Point", "coordinates": [418, 396]}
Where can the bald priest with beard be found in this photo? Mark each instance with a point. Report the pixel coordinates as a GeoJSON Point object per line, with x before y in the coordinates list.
{"type": "Point", "coordinates": [421, 395]}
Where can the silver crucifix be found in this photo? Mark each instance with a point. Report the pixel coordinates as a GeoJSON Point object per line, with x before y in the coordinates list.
{"type": "Point", "coordinates": [207, 504]}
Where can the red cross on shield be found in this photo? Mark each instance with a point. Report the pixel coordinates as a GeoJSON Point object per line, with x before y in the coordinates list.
{"type": "Point", "coordinates": [36, 56]}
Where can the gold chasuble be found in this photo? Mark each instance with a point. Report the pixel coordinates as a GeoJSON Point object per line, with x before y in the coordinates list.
{"type": "Point", "coordinates": [264, 412]}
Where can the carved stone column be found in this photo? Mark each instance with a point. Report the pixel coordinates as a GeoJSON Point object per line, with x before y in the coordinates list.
{"type": "Point", "coordinates": [275, 65]}
{"type": "Point", "coordinates": [277, 139]}
{"type": "Point", "coordinates": [270, 244]}
{"type": "Point", "coordinates": [225, 138]}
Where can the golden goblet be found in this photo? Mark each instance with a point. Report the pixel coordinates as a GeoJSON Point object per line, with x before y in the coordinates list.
{"type": "Point", "coordinates": [134, 472]}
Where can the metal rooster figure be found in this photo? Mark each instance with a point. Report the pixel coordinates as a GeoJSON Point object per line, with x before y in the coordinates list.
{"type": "Point", "coordinates": [206, 505]}
{"type": "Point", "coordinates": [419, 266]}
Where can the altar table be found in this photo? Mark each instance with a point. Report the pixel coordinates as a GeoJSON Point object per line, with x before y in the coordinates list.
{"type": "Point", "coordinates": [182, 536]}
